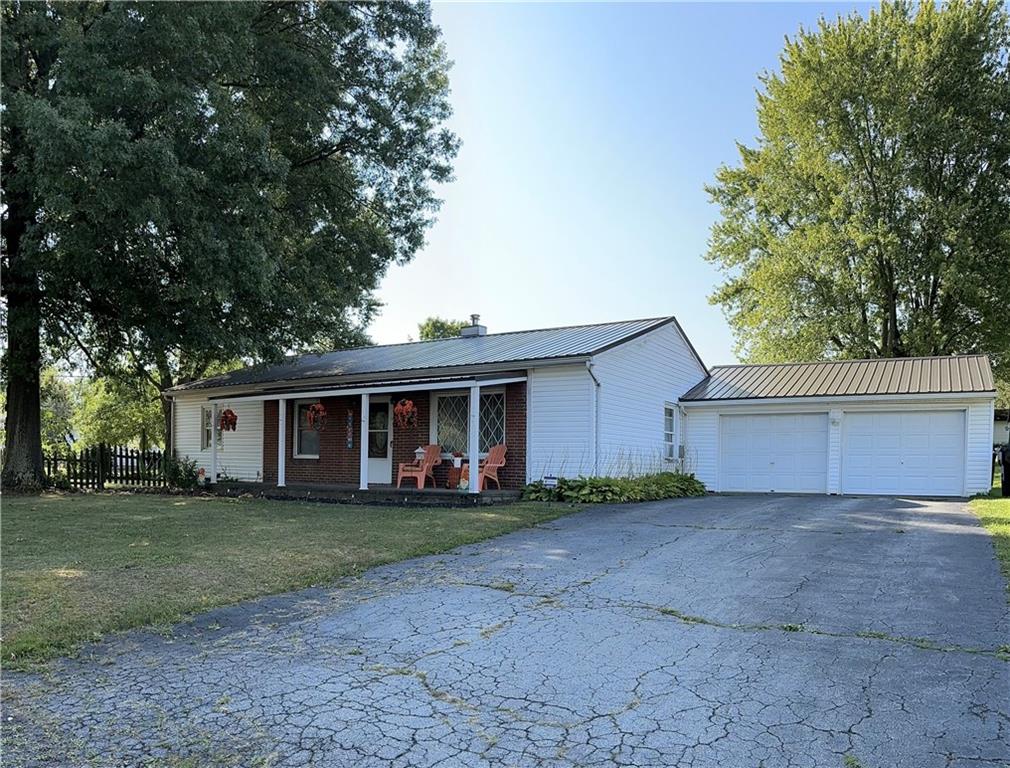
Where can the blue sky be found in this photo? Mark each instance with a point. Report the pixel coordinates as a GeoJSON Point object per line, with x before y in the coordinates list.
{"type": "Point", "coordinates": [589, 132]}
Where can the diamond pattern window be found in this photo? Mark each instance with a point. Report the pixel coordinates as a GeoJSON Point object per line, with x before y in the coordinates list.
{"type": "Point", "coordinates": [452, 417]}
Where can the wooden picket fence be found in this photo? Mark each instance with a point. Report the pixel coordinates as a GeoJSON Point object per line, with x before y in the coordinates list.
{"type": "Point", "coordinates": [108, 465]}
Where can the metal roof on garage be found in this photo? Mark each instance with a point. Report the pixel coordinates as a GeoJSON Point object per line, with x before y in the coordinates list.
{"type": "Point", "coordinates": [494, 350]}
{"type": "Point", "coordinates": [845, 378]}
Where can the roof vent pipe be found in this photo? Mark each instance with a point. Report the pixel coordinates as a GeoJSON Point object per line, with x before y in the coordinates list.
{"type": "Point", "coordinates": [474, 329]}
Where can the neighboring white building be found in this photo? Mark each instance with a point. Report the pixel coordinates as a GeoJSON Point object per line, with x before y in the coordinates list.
{"type": "Point", "coordinates": [608, 399]}
{"type": "Point", "coordinates": [1001, 428]}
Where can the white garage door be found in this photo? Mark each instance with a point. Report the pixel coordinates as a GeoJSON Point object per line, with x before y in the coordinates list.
{"type": "Point", "coordinates": [918, 453]}
{"type": "Point", "coordinates": [774, 452]}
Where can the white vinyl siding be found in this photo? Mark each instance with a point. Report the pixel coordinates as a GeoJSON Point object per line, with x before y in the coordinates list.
{"type": "Point", "coordinates": [701, 445]}
{"type": "Point", "coordinates": [638, 380]}
{"type": "Point", "coordinates": [239, 454]}
{"type": "Point", "coordinates": [560, 423]}
{"type": "Point", "coordinates": [978, 469]}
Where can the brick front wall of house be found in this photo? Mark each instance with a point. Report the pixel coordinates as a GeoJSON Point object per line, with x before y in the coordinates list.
{"type": "Point", "coordinates": [513, 474]}
{"type": "Point", "coordinates": [338, 464]}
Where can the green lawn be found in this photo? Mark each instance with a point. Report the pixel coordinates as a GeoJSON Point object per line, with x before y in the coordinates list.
{"type": "Point", "coordinates": [78, 566]}
{"type": "Point", "coordinates": [994, 512]}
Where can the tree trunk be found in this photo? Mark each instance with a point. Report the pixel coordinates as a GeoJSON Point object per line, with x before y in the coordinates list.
{"type": "Point", "coordinates": [166, 412]}
{"type": "Point", "coordinates": [23, 468]}
{"type": "Point", "coordinates": [165, 381]}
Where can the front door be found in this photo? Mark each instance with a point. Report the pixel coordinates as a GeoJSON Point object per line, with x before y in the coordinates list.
{"type": "Point", "coordinates": [380, 442]}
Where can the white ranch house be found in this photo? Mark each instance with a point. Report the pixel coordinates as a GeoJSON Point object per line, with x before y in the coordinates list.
{"type": "Point", "coordinates": [607, 399]}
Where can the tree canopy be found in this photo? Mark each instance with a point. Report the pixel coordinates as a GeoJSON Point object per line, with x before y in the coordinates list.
{"type": "Point", "coordinates": [435, 327]}
{"type": "Point", "coordinates": [118, 412]}
{"type": "Point", "coordinates": [872, 217]}
{"type": "Point", "coordinates": [194, 182]}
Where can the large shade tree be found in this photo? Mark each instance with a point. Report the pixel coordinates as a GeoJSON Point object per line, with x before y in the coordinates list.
{"type": "Point", "coordinates": [872, 216]}
{"type": "Point", "coordinates": [187, 183]}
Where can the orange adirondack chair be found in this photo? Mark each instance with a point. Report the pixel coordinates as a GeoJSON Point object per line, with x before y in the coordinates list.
{"type": "Point", "coordinates": [421, 469]}
{"type": "Point", "coordinates": [488, 469]}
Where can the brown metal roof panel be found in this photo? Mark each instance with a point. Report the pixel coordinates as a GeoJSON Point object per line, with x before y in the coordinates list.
{"type": "Point", "coordinates": [830, 378]}
{"type": "Point", "coordinates": [824, 380]}
{"type": "Point", "coordinates": [957, 374]}
{"type": "Point", "coordinates": [985, 373]}
{"type": "Point", "coordinates": [763, 378]}
{"type": "Point", "coordinates": [893, 377]}
{"type": "Point", "coordinates": [746, 382]}
{"type": "Point", "coordinates": [811, 381]}
{"type": "Point", "coordinates": [783, 386]}
{"type": "Point", "coordinates": [978, 375]}
{"type": "Point", "coordinates": [877, 377]}
{"type": "Point", "coordinates": [852, 384]}
{"type": "Point", "coordinates": [927, 377]}
{"type": "Point", "coordinates": [848, 377]}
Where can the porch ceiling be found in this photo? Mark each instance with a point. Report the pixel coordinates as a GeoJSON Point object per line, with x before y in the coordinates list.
{"type": "Point", "coordinates": [380, 387]}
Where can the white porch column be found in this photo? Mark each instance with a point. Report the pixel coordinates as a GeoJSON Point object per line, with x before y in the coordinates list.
{"type": "Point", "coordinates": [213, 443]}
{"type": "Point", "coordinates": [282, 435]}
{"type": "Point", "coordinates": [474, 438]}
{"type": "Point", "coordinates": [363, 454]}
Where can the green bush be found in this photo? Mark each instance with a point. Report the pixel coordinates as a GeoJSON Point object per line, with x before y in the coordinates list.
{"type": "Point", "coordinates": [587, 490]}
{"type": "Point", "coordinates": [181, 473]}
{"type": "Point", "coordinates": [59, 481]}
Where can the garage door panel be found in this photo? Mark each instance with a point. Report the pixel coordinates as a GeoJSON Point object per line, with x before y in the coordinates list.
{"type": "Point", "coordinates": [774, 452]}
{"type": "Point", "coordinates": [903, 452]}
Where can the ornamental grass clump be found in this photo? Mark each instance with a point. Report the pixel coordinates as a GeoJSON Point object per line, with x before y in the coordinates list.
{"type": "Point", "coordinates": [612, 490]}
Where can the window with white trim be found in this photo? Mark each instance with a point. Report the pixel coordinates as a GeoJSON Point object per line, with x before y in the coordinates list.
{"type": "Point", "coordinates": [306, 438]}
{"type": "Point", "coordinates": [670, 432]}
{"type": "Point", "coordinates": [450, 427]}
{"type": "Point", "coordinates": [208, 428]}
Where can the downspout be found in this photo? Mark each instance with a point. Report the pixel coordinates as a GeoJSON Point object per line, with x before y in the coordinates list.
{"type": "Point", "coordinates": [681, 447]}
{"type": "Point", "coordinates": [596, 418]}
{"type": "Point", "coordinates": [170, 447]}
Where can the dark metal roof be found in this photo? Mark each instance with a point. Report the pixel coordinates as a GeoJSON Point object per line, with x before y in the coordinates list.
{"type": "Point", "coordinates": [504, 349]}
{"type": "Point", "coordinates": [845, 378]}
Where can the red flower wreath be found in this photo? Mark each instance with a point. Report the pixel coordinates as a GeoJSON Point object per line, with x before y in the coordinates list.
{"type": "Point", "coordinates": [405, 414]}
{"type": "Point", "coordinates": [227, 420]}
{"type": "Point", "coordinates": [317, 416]}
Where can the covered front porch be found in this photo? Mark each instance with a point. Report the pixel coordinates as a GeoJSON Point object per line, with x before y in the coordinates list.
{"type": "Point", "coordinates": [361, 445]}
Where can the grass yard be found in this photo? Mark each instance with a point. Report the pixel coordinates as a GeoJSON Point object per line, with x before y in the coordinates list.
{"type": "Point", "coordinates": [994, 512]}
{"type": "Point", "coordinates": [78, 566]}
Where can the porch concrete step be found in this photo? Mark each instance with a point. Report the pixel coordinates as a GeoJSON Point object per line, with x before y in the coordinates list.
{"type": "Point", "coordinates": [387, 495]}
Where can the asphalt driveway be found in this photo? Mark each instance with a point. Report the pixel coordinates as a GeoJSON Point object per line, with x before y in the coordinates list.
{"type": "Point", "coordinates": [737, 631]}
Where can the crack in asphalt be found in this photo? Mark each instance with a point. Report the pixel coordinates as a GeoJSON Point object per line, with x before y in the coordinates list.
{"type": "Point", "coordinates": [562, 646]}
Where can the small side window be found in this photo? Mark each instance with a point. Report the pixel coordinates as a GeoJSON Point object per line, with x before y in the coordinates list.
{"type": "Point", "coordinates": [670, 433]}
{"type": "Point", "coordinates": [209, 430]}
{"type": "Point", "coordinates": [306, 438]}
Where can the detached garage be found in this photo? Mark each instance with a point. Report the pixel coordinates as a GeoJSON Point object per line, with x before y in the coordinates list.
{"type": "Point", "coordinates": [907, 426]}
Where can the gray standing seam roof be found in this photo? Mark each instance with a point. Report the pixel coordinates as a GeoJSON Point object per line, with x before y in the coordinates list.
{"type": "Point", "coordinates": [845, 378]}
{"type": "Point", "coordinates": [492, 349]}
